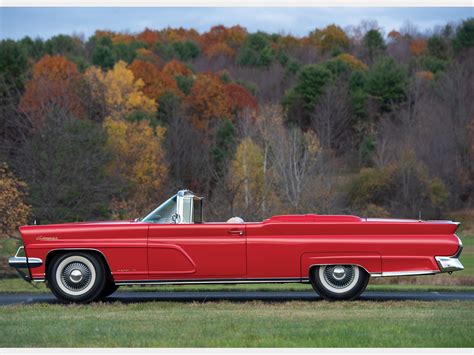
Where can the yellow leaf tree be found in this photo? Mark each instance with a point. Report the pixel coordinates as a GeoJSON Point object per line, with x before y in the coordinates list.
{"type": "Point", "coordinates": [248, 175]}
{"type": "Point", "coordinates": [330, 38]}
{"type": "Point", "coordinates": [121, 91]}
{"type": "Point", "coordinates": [138, 159]}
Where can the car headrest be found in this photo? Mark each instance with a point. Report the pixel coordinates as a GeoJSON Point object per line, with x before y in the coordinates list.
{"type": "Point", "coordinates": [235, 220]}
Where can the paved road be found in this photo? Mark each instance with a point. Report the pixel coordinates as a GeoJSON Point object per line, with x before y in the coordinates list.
{"type": "Point", "coordinates": [131, 297]}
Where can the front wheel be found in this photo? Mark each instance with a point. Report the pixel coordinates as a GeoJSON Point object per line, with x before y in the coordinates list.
{"type": "Point", "coordinates": [77, 277]}
{"type": "Point", "coordinates": [339, 282]}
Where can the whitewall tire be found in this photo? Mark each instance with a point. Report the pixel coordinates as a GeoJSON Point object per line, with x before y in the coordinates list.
{"type": "Point", "coordinates": [339, 282]}
{"type": "Point", "coordinates": [77, 277]}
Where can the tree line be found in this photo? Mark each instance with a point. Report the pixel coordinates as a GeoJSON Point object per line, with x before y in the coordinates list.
{"type": "Point", "coordinates": [339, 121]}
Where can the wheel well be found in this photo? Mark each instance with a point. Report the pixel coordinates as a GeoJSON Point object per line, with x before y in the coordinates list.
{"type": "Point", "coordinates": [310, 270]}
{"type": "Point", "coordinates": [52, 254]}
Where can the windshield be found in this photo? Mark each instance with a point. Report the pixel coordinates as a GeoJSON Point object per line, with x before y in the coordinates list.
{"type": "Point", "coordinates": [163, 214]}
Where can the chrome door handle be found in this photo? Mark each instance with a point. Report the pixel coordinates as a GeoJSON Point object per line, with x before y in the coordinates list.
{"type": "Point", "coordinates": [235, 232]}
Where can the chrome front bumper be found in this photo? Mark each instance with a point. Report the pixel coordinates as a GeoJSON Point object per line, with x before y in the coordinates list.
{"type": "Point", "coordinates": [449, 264]}
{"type": "Point", "coordinates": [22, 262]}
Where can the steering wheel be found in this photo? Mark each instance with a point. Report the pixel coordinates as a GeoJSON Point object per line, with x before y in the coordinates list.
{"type": "Point", "coordinates": [175, 218]}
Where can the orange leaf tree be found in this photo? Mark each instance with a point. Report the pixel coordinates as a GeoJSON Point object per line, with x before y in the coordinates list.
{"type": "Point", "coordinates": [240, 99]}
{"type": "Point", "coordinates": [221, 40]}
{"type": "Point", "coordinates": [218, 49]}
{"type": "Point", "coordinates": [53, 87]}
{"type": "Point", "coordinates": [208, 101]}
{"type": "Point", "coordinates": [175, 67]}
{"type": "Point", "coordinates": [156, 81]}
{"type": "Point", "coordinates": [418, 46]}
{"type": "Point", "coordinates": [149, 36]}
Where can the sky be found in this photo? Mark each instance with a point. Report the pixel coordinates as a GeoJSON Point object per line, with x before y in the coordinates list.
{"type": "Point", "coordinates": [16, 23]}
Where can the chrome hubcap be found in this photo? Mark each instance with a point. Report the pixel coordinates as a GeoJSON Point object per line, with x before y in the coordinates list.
{"type": "Point", "coordinates": [76, 276]}
{"type": "Point", "coordinates": [339, 276]}
{"type": "Point", "coordinates": [339, 273]}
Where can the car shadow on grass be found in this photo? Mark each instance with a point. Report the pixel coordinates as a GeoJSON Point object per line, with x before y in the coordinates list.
{"type": "Point", "coordinates": [272, 297]}
{"type": "Point", "coordinates": [239, 297]}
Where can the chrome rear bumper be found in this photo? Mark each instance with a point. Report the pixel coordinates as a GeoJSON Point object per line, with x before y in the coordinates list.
{"type": "Point", "coordinates": [449, 263]}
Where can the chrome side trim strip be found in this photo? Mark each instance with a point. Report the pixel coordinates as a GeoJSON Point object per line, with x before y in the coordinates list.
{"type": "Point", "coordinates": [211, 281]}
{"type": "Point", "coordinates": [409, 273]}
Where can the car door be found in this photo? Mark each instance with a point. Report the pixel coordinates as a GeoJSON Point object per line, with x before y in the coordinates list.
{"type": "Point", "coordinates": [197, 251]}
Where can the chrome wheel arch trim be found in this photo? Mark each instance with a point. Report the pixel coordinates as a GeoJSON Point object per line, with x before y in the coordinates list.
{"type": "Point", "coordinates": [77, 249]}
{"type": "Point", "coordinates": [327, 264]}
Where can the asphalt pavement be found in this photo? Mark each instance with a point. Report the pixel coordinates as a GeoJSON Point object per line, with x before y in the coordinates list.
{"type": "Point", "coordinates": [267, 296]}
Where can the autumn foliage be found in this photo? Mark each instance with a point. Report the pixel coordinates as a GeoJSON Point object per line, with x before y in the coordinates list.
{"type": "Point", "coordinates": [240, 99]}
{"type": "Point", "coordinates": [121, 90]}
{"type": "Point", "coordinates": [418, 46]}
{"type": "Point", "coordinates": [208, 101]}
{"type": "Point", "coordinates": [54, 85]}
{"type": "Point", "coordinates": [221, 40]}
{"type": "Point", "coordinates": [155, 81]}
{"type": "Point", "coordinates": [394, 35]}
{"type": "Point", "coordinates": [175, 67]}
{"type": "Point", "coordinates": [138, 159]}
{"type": "Point", "coordinates": [148, 56]}
{"type": "Point", "coordinates": [148, 36]}
{"type": "Point", "coordinates": [352, 61]}
{"type": "Point", "coordinates": [13, 209]}
{"type": "Point", "coordinates": [424, 74]}
{"type": "Point", "coordinates": [329, 38]}
{"type": "Point", "coordinates": [260, 123]}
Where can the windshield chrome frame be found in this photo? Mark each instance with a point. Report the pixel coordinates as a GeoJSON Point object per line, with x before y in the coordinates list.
{"type": "Point", "coordinates": [144, 219]}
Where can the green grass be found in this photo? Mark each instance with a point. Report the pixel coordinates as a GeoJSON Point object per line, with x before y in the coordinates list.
{"type": "Point", "coordinates": [467, 256]}
{"type": "Point", "coordinates": [246, 324]}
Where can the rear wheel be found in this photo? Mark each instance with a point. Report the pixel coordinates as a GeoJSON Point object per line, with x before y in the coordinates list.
{"type": "Point", "coordinates": [339, 282]}
{"type": "Point", "coordinates": [77, 277]}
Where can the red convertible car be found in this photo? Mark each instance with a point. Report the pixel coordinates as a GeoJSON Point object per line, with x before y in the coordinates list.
{"type": "Point", "coordinates": [83, 262]}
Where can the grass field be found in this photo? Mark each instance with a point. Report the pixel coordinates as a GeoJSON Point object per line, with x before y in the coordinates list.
{"type": "Point", "coordinates": [247, 324]}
